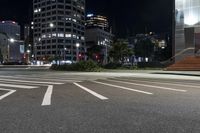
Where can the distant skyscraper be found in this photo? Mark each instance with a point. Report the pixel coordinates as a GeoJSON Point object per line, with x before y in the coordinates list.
{"type": "Point", "coordinates": [11, 28]}
{"type": "Point", "coordinates": [11, 47]}
{"type": "Point", "coordinates": [187, 28]}
{"type": "Point", "coordinates": [98, 34]}
{"type": "Point", "coordinates": [59, 25]}
{"type": "Point", "coordinates": [97, 21]}
{"type": "Point", "coordinates": [27, 29]}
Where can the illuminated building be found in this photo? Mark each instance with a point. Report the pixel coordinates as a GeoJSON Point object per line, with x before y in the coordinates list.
{"type": "Point", "coordinates": [12, 48]}
{"type": "Point", "coordinates": [97, 21]}
{"type": "Point", "coordinates": [58, 26]}
{"type": "Point", "coordinates": [187, 28]}
{"type": "Point", "coordinates": [11, 28]}
{"type": "Point", "coordinates": [98, 34]}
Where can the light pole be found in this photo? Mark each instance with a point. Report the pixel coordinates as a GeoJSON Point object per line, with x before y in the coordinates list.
{"type": "Point", "coordinates": [28, 52]}
{"type": "Point", "coordinates": [65, 49]}
{"type": "Point", "coordinates": [11, 40]}
{"type": "Point", "coordinates": [77, 51]}
{"type": "Point", "coordinates": [51, 25]}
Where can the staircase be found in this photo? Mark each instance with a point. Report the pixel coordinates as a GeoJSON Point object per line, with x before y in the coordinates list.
{"type": "Point", "coordinates": [191, 63]}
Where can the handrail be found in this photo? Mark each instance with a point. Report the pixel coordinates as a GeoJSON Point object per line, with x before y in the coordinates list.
{"type": "Point", "coordinates": [179, 53]}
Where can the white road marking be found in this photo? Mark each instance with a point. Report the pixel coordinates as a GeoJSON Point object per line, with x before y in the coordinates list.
{"type": "Point", "coordinates": [47, 96]}
{"type": "Point", "coordinates": [125, 88]}
{"type": "Point", "coordinates": [150, 86]}
{"type": "Point", "coordinates": [18, 86]}
{"type": "Point", "coordinates": [7, 94]}
{"type": "Point", "coordinates": [91, 92]}
{"type": "Point", "coordinates": [25, 81]}
{"type": "Point", "coordinates": [165, 83]}
{"type": "Point", "coordinates": [43, 78]}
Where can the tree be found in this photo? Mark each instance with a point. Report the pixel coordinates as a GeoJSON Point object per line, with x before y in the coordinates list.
{"type": "Point", "coordinates": [93, 51]}
{"type": "Point", "coordinates": [144, 48]}
{"type": "Point", "coordinates": [120, 51]}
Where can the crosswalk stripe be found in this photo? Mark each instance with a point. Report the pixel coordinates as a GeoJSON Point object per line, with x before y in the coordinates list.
{"type": "Point", "coordinates": [125, 88]}
{"type": "Point", "coordinates": [7, 94]}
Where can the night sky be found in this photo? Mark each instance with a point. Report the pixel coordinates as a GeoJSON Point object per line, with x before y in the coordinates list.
{"type": "Point", "coordinates": [127, 17]}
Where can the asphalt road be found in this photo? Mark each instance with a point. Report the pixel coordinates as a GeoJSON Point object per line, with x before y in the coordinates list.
{"type": "Point", "coordinates": [42, 101]}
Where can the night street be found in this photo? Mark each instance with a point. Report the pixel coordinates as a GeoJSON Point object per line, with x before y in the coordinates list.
{"type": "Point", "coordinates": [39, 101]}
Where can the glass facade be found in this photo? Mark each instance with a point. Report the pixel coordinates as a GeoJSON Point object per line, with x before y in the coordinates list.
{"type": "Point", "coordinates": [187, 17]}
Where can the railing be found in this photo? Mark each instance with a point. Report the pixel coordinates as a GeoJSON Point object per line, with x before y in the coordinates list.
{"type": "Point", "coordinates": [179, 53]}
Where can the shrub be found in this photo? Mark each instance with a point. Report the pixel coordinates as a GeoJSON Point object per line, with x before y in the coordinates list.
{"type": "Point", "coordinates": [82, 66]}
{"type": "Point", "coordinates": [112, 66]}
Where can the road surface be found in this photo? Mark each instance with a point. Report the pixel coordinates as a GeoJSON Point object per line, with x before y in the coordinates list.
{"type": "Point", "coordinates": [42, 101]}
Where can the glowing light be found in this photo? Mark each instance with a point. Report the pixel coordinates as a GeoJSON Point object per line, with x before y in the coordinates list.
{"type": "Point", "coordinates": [77, 45]}
{"type": "Point", "coordinates": [51, 25]}
{"type": "Point", "coordinates": [11, 40]}
{"type": "Point", "coordinates": [191, 20]}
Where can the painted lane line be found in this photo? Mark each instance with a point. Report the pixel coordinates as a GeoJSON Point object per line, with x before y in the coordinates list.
{"type": "Point", "coordinates": [91, 92]}
{"type": "Point", "coordinates": [42, 78]}
{"type": "Point", "coordinates": [25, 81]}
{"type": "Point", "coordinates": [18, 86]}
{"type": "Point", "coordinates": [122, 87]}
{"type": "Point", "coordinates": [165, 83]}
{"type": "Point", "coordinates": [7, 94]}
{"type": "Point", "coordinates": [47, 96]}
{"type": "Point", "coordinates": [150, 86]}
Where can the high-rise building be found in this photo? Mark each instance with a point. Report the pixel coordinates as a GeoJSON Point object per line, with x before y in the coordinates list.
{"type": "Point", "coordinates": [59, 28]}
{"type": "Point", "coordinates": [187, 28]}
{"type": "Point", "coordinates": [27, 30]}
{"type": "Point", "coordinates": [11, 28]}
{"type": "Point", "coordinates": [98, 34]}
{"type": "Point", "coordinates": [97, 21]}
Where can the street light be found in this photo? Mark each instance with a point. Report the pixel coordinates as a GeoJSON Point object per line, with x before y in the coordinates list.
{"type": "Point", "coordinates": [77, 51]}
{"type": "Point", "coordinates": [11, 40]}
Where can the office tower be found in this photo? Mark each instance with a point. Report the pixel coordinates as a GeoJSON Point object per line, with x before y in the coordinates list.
{"type": "Point", "coordinates": [11, 47]}
{"type": "Point", "coordinates": [98, 35]}
{"type": "Point", "coordinates": [11, 28]}
{"type": "Point", "coordinates": [59, 27]}
{"type": "Point", "coordinates": [97, 21]}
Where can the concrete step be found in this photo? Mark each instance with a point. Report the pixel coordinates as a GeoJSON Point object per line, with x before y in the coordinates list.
{"type": "Point", "coordinates": [187, 64]}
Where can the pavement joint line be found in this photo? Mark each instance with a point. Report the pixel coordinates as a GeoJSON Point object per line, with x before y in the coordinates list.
{"type": "Point", "coordinates": [176, 84]}
{"type": "Point", "coordinates": [151, 86]}
{"type": "Point", "coordinates": [91, 92]}
{"type": "Point", "coordinates": [25, 81]}
{"type": "Point", "coordinates": [124, 88]}
{"type": "Point", "coordinates": [47, 96]}
{"type": "Point", "coordinates": [7, 94]}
